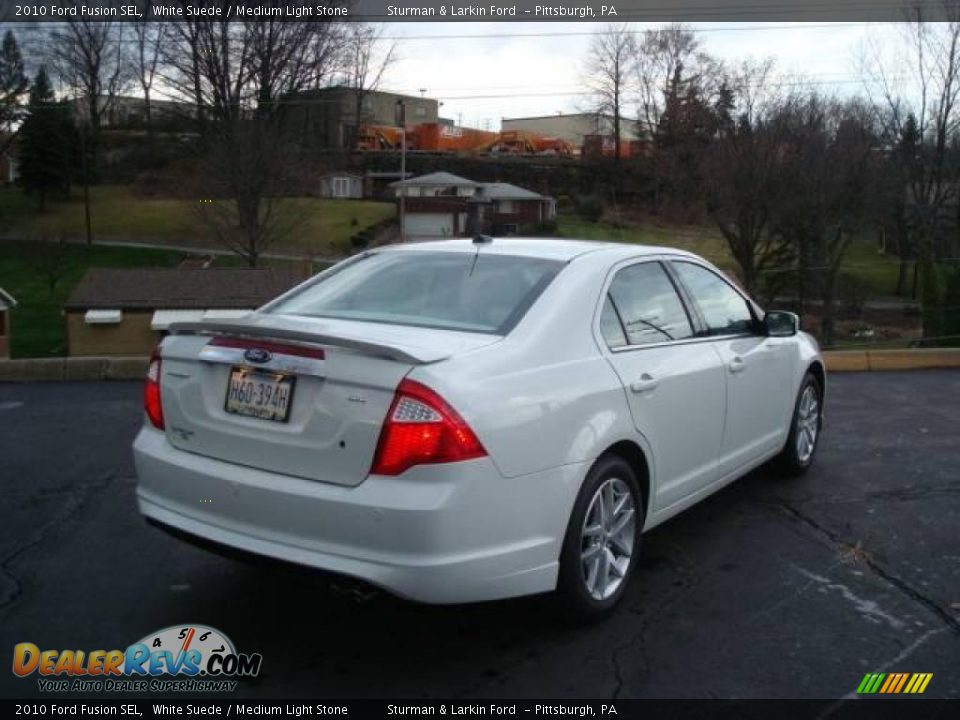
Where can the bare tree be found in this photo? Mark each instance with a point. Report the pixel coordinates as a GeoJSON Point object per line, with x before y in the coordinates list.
{"type": "Point", "coordinates": [149, 38]}
{"type": "Point", "coordinates": [830, 168]}
{"type": "Point", "coordinates": [608, 75]}
{"type": "Point", "coordinates": [49, 258]}
{"type": "Point", "coordinates": [670, 63]}
{"type": "Point", "coordinates": [744, 185]}
{"type": "Point", "coordinates": [13, 87]}
{"type": "Point", "coordinates": [365, 59]}
{"type": "Point", "coordinates": [232, 70]}
{"type": "Point", "coordinates": [250, 177]}
{"type": "Point", "coordinates": [242, 76]}
{"type": "Point", "coordinates": [916, 94]}
{"type": "Point", "coordinates": [90, 58]}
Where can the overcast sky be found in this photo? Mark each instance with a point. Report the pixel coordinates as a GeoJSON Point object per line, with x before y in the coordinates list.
{"type": "Point", "coordinates": [539, 72]}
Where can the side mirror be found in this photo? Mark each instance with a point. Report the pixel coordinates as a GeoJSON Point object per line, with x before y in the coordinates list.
{"type": "Point", "coordinates": [779, 323]}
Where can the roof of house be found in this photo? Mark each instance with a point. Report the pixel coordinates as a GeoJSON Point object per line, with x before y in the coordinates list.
{"type": "Point", "coordinates": [564, 116]}
{"type": "Point", "coordinates": [436, 178]}
{"type": "Point", "coordinates": [7, 299]}
{"type": "Point", "coordinates": [506, 191]}
{"type": "Point", "coordinates": [171, 288]}
{"type": "Point", "coordinates": [342, 173]}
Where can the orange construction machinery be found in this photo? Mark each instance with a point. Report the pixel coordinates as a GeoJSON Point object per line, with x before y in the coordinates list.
{"type": "Point", "coordinates": [434, 137]}
{"type": "Point", "coordinates": [379, 137]}
{"type": "Point", "coordinates": [437, 137]}
{"type": "Point", "coordinates": [520, 142]}
{"type": "Point", "coordinates": [603, 146]}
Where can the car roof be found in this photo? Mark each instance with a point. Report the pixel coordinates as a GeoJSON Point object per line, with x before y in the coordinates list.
{"type": "Point", "coordinates": [548, 248]}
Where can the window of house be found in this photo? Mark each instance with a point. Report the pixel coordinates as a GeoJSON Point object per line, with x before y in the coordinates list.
{"type": "Point", "coordinates": [420, 111]}
{"type": "Point", "coordinates": [506, 207]}
{"type": "Point", "coordinates": [3, 323]}
{"type": "Point", "coordinates": [341, 187]}
{"type": "Point", "coordinates": [648, 305]}
{"type": "Point", "coordinates": [724, 309]}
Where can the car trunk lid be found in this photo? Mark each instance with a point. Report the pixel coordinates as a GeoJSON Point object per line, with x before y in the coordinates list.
{"type": "Point", "coordinates": [340, 376]}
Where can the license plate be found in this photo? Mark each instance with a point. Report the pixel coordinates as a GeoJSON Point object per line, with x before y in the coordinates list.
{"type": "Point", "coordinates": [259, 394]}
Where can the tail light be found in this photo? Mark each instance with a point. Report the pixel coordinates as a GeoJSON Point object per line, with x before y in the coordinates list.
{"type": "Point", "coordinates": [151, 391]}
{"type": "Point", "coordinates": [421, 428]}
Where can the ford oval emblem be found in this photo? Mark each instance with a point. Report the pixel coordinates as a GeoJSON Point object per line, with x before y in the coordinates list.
{"type": "Point", "coordinates": [258, 355]}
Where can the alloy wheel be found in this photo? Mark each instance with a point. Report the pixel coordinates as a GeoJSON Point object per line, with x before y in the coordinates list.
{"type": "Point", "coordinates": [606, 538]}
{"type": "Point", "coordinates": [808, 423]}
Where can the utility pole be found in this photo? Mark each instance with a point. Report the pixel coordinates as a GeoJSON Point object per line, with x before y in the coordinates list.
{"type": "Point", "coordinates": [402, 113]}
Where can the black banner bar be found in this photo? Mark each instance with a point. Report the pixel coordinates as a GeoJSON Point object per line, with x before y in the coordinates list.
{"type": "Point", "coordinates": [605, 11]}
{"type": "Point", "coordinates": [857, 709]}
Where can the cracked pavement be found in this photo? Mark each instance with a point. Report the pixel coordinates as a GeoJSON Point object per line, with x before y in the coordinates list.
{"type": "Point", "coordinates": [770, 588]}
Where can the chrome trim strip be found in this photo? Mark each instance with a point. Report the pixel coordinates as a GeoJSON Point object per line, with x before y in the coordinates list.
{"type": "Point", "coordinates": [278, 363]}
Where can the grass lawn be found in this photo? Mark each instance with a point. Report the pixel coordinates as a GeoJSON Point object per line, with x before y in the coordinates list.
{"type": "Point", "coordinates": [876, 272]}
{"type": "Point", "coordinates": [703, 241]}
{"type": "Point", "coordinates": [118, 214]}
{"type": "Point", "coordinates": [37, 326]}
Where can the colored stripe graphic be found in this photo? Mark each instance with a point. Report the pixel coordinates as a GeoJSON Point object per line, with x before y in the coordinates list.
{"type": "Point", "coordinates": [903, 681]}
{"type": "Point", "coordinates": [894, 683]}
{"type": "Point", "coordinates": [922, 682]}
{"type": "Point", "coordinates": [870, 683]}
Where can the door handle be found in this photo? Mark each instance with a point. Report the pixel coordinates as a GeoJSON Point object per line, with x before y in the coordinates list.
{"type": "Point", "coordinates": [736, 365]}
{"type": "Point", "coordinates": [646, 383]}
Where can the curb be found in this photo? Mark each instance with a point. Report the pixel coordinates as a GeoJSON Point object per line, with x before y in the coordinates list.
{"type": "Point", "coordinates": [73, 368]}
{"type": "Point", "coordinates": [905, 359]}
{"type": "Point", "coordinates": [134, 368]}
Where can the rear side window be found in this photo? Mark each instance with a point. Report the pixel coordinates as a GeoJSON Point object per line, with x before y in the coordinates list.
{"type": "Point", "coordinates": [610, 326]}
{"type": "Point", "coordinates": [648, 305]}
{"type": "Point", "coordinates": [724, 309]}
{"type": "Point", "coordinates": [473, 292]}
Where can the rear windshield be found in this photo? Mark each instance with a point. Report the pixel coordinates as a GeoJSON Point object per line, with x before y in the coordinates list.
{"type": "Point", "coordinates": [474, 292]}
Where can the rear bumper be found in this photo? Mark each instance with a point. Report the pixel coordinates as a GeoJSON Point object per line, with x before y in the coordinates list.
{"type": "Point", "coordinates": [441, 534]}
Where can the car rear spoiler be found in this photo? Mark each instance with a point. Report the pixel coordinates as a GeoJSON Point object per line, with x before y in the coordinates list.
{"type": "Point", "coordinates": [241, 330]}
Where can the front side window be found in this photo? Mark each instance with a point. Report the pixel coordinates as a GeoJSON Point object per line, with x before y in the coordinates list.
{"type": "Point", "coordinates": [724, 309]}
{"type": "Point", "coordinates": [648, 305]}
{"type": "Point", "coordinates": [472, 292]}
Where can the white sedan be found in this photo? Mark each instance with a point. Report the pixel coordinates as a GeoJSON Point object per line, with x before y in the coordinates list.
{"type": "Point", "coordinates": [474, 419]}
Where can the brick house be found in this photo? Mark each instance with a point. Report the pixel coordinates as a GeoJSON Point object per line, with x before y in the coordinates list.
{"type": "Point", "coordinates": [125, 311]}
{"type": "Point", "coordinates": [443, 205]}
{"type": "Point", "coordinates": [7, 303]}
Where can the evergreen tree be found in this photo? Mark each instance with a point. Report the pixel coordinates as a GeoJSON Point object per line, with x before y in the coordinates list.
{"type": "Point", "coordinates": [13, 83]}
{"type": "Point", "coordinates": [48, 143]}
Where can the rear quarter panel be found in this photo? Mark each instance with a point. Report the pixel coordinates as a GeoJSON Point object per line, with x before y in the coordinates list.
{"type": "Point", "coordinates": [543, 396]}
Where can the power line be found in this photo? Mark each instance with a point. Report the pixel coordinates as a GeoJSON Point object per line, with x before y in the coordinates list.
{"type": "Point", "coordinates": [44, 27]}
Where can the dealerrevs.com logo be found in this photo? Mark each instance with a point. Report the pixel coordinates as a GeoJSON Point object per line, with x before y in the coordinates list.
{"type": "Point", "coordinates": [180, 658]}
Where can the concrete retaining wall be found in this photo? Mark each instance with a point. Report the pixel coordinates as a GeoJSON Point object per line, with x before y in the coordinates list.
{"type": "Point", "coordinates": [74, 368]}
{"type": "Point", "coordinates": [903, 359]}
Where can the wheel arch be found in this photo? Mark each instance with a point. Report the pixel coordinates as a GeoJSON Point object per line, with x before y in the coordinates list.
{"type": "Point", "coordinates": [816, 367]}
{"type": "Point", "coordinates": [635, 457]}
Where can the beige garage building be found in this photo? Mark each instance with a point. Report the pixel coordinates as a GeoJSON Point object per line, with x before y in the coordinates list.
{"type": "Point", "coordinates": [124, 311]}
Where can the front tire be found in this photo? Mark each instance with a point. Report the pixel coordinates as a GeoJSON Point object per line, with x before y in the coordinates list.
{"type": "Point", "coordinates": [797, 455]}
{"type": "Point", "coordinates": [602, 540]}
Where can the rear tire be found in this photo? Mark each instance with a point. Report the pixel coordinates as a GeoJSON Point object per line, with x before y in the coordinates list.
{"type": "Point", "coordinates": [804, 437]}
{"type": "Point", "coordinates": [602, 541]}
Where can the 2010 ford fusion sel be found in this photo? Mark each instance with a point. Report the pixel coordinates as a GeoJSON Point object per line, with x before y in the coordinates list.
{"type": "Point", "coordinates": [475, 419]}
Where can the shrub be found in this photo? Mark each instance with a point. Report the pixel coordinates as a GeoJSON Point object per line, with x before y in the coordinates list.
{"type": "Point", "coordinates": [590, 207]}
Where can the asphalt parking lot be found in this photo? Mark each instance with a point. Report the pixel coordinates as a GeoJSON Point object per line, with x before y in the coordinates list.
{"type": "Point", "coordinates": [771, 588]}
